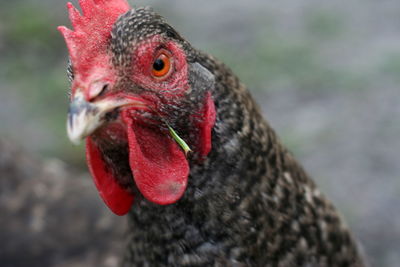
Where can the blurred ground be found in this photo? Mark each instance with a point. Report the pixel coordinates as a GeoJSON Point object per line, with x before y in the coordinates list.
{"type": "Point", "coordinates": [52, 216]}
{"type": "Point", "coordinates": [326, 74]}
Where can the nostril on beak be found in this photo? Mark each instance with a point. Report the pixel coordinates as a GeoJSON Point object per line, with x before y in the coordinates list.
{"type": "Point", "coordinates": [104, 89]}
{"type": "Point", "coordinates": [97, 89]}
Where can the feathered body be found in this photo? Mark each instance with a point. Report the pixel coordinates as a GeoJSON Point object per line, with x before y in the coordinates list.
{"type": "Point", "coordinates": [247, 201]}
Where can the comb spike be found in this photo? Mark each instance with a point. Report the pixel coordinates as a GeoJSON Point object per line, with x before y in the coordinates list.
{"type": "Point", "coordinates": [92, 31]}
{"type": "Point", "coordinates": [87, 7]}
{"type": "Point", "coordinates": [67, 33]}
{"type": "Point", "coordinates": [69, 37]}
{"type": "Point", "coordinates": [74, 15]}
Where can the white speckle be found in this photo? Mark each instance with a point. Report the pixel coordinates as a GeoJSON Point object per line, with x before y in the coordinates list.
{"type": "Point", "coordinates": [308, 194]}
{"type": "Point", "coordinates": [303, 244]}
{"type": "Point", "coordinates": [317, 193]}
{"type": "Point", "coordinates": [288, 177]}
{"type": "Point", "coordinates": [324, 231]}
{"type": "Point", "coordinates": [295, 226]}
{"type": "Point", "coordinates": [231, 145]}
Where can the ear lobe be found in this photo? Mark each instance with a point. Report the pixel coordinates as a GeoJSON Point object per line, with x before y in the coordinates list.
{"type": "Point", "coordinates": [203, 81]}
{"type": "Point", "coordinates": [206, 125]}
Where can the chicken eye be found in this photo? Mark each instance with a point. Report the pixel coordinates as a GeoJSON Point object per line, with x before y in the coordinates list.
{"type": "Point", "coordinates": [161, 66]}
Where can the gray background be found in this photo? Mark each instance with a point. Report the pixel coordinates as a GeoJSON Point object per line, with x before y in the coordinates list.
{"type": "Point", "coordinates": [325, 73]}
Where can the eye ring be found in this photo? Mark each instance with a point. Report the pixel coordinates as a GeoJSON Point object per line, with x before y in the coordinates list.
{"type": "Point", "coordinates": [162, 65]}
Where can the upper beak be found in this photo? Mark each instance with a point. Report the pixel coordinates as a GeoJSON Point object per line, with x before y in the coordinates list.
{"type": "Point", "coordinates": [85, 117]}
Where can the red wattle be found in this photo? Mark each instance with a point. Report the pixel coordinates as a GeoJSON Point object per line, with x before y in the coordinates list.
{"type": "Point", "coordinates": [158, 164]}
{"type": "Point", "coordinates": [115, 197]}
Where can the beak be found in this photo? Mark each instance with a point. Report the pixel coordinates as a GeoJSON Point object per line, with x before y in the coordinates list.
{"type": "Point", "coordinates": [85, 117]}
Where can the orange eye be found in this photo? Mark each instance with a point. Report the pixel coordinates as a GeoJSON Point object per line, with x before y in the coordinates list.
{"type": "Point", "coordinates": [161, 66]}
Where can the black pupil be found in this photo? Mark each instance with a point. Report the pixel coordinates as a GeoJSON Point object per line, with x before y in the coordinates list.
{"type": "Point", "coordinates": [158, 65]}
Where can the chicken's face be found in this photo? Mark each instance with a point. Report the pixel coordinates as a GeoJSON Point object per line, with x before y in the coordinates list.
{"type": "Point", "coordinates": [133, 78]}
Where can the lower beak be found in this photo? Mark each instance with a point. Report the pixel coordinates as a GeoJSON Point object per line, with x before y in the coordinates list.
{"type": "Point", "coordinates": [85, 117]}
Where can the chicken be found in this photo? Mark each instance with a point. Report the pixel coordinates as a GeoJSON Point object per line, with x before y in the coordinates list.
{"type": "Point", "coordinates": [177, 142]}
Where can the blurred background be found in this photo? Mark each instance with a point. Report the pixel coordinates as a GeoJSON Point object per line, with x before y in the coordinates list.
{"type": "Point", "coordinates": [326, 74]}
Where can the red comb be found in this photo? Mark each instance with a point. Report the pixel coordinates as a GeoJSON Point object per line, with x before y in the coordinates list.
{"type": "Point", "coordinates": [92, 29]}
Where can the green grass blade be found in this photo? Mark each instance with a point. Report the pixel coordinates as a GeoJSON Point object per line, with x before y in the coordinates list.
{"type": "Point", "coordinates": [179, 140]}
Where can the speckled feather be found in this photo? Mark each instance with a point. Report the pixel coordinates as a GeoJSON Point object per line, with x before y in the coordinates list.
{"type": "Point", "coordinates": [249, 203]}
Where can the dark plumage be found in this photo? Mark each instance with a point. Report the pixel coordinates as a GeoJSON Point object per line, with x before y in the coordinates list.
{"type": "Point", "coordinates": [248, 202]}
